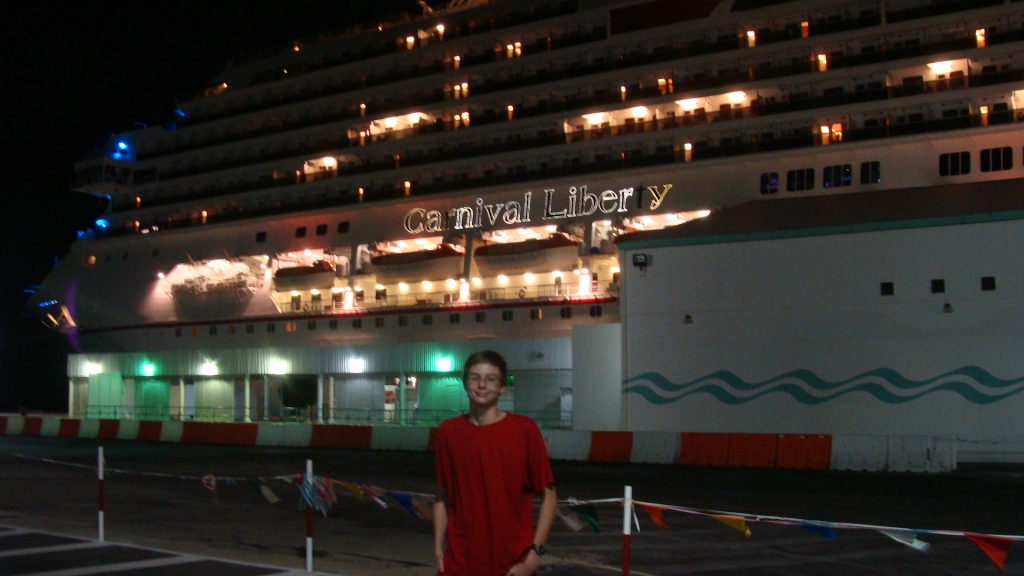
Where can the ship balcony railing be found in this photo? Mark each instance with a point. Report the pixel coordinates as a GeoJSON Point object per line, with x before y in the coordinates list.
{"type": "Point", "coordinates": [102, 175]}
{"type": "Point", "coordinates": [486, 117]}
{"type": "Point", "coordinates": [702, 150]}
{"type": "Point", "coordinates": [552, 418]}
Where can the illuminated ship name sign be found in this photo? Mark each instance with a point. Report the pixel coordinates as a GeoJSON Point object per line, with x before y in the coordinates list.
{"type": "Point", "coordinates": [580, 203]}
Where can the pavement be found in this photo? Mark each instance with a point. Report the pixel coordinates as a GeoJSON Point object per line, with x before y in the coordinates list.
{"type": "Point", "coordinates": [235, 524]}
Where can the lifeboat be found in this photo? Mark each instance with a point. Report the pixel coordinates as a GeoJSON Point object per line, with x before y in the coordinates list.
{"type": "Point", "coordinates": [319, 275]}
{"type": "Point", "coordinates": [440, 263]}
{"type": "Point", "coordinates": [557, 252]}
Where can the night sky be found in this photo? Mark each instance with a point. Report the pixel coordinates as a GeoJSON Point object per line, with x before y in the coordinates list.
{"type": "Point", "coordinates": [71, 76]}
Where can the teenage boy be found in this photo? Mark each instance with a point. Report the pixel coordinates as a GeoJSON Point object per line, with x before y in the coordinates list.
{"type": "Point", "coordinates": [489, 464]}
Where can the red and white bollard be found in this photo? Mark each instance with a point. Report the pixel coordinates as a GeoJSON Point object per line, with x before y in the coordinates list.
{"type": "Point", "coordinates": [309, 520]}
{"type": "Point", "coordinates": [627, 527]}
{"type": "Point", "coordinates": [99, 477]}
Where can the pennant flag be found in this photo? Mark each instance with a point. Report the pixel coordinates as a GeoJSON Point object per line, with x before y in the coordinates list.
{"type": "Point", "coordinates": [406, 501]}
{"type": "Point", "coordinates": [377, 494]}
{"type": "Point", "coordinates": [424, 507]}
{"type": "Point", "coordinates": [907, 538]}
{"type": "Point", "coordinates": [655, 513]}
{"type": "Point", "coordinates": [355, 489]}
{"type": "Point", "coordinates": [210, 482]}
{"type": "Point", "coordinates": [589, 514]}
{"type": "Point", "coordinates": [824, 531]}
{"type": "Point", "coordinates": [268, 494]}
{"type": "Point", "coordinates": [735, 522]}
{"type": "Point", "coordinates": [570, 520]}
{"type": "Point", "coordinates": [994, 548]}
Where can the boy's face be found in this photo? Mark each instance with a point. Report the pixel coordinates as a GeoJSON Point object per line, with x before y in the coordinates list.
{"type": "Point", "coordinates": [484, 384]}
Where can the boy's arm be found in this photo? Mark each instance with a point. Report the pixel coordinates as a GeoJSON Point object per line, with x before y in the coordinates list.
{"type": "Point", "coordinates": [440, 529]}
{"type": "Point", "coordinates": [548, 506]}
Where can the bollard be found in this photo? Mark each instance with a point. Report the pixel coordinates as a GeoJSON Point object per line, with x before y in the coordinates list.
{"type": "Point", "coordinates": [99, 476]}
{"type": "Point", "coordinates": [627, 527]}
{"type": "Point", "coordinates": [309, 520]}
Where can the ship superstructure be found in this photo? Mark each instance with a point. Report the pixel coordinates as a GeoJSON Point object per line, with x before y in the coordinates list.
{"type": "Point", "coordinates": [462, 175]}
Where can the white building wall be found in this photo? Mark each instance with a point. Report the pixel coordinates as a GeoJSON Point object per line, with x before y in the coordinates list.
{"type": "Point", "coordinates": [793, 336]}
{"type": "Point", "coordinates": [597, 388]}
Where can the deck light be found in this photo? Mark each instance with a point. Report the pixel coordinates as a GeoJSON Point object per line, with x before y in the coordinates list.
{"type": "Point", "coordinates": [689, 104]}
{"type": "Point", "coordinates": [941, 67]}
{"type": "Point", "coordinates": [427, 285]}
{"type": "Point", "coordinates": [502, 279]}
{"type": "Point", "coordinates": [402, 286]}
{"type": "Point", "coordinates": [209, 368]}
{"type": "Point", "coordinates": [529, 277]}
{"type": "Point", "coordinates": [477, 281]}
{"type": "Point", "coordinates": [443, 364]}
{"type": "Point", "coordinates": [294, 293]}
{"type": "Point", "coordinates": [638, 111]}
{"type": "Point", "coordinates": [314, 292]}
{"type": "Point", "coordinates": [979, 35]}
{"type": "Point", "coordinates": [450, 282]}
{"type": "Point", "coordinates": [122, 146]}
{"type": "Point", "coordinates": [595, 118]}
{"type": "Point", "coordinates": [736, 97]}
{"type": "Point", "coordinates": [356, 365]}
{"type": "Point", "coordinates": [148, 369]}
{"type": "Point", "coordinates": [703, 213]}
{"type": "Point", "coordinates": [440, 28]}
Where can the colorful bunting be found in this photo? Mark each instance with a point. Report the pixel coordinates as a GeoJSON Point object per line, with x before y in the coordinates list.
{"type": "Point", "coordinates": [589, 514]}
{"type": "Point", "coordinates": [424, 507]}
{"type": "Point", "coordinates": [824, 531]}
{"type": "Point", "coordinates": [655, 513]}
{"type": "Point", "coordinates": [571, 520]}
{"type": "Point", "coordinates": [210, 482]}
{"type": "Point", "coordinates": [907, 538]}
{"type": "Point", "coordinates": [377, 494]}
{"type": "Point", "coordinates": [355, 489]}
{"type": "Point", "coordinates": [737, 523]}
{"type": "Point", "coordinates": [267, 493]}
{"type": "Point", "coordinates": [993, 547]}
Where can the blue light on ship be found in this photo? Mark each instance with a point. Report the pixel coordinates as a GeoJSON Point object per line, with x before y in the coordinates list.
{"type": "Point", "coordinates": [122, 146]}
{"type": "Point", "coordinates": [179, 112]}
{"type": "Point", "coordinates": [102, 224]}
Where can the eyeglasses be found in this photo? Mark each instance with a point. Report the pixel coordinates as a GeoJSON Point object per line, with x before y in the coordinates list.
{"type": "Point", "coordinates": [488, 378]}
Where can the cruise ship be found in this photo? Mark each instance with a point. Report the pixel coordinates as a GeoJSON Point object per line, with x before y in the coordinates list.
{"type": "Point", "coordinates": [574, 183]}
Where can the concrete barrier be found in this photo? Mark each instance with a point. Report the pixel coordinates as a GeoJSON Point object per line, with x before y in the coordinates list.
{"type": "Point", "coordinates": [284, 435]}
{"type": "Point", "coordinates": [655, 447]}
{"type": "Point", "coordinates": [15, 425]}
{"type": "Point", "coordinates": [567, 444]}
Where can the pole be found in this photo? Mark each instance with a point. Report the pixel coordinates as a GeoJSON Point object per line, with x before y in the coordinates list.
{"type": "Point", "coordinates": [99, 476]}
{"type": "Point", "coordinates": [309, 521]}
{"type": "Point", "coordinates": [627, 528]}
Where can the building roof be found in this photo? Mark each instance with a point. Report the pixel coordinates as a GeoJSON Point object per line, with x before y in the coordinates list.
{"type": "Point", "coordinates": [843, 214]}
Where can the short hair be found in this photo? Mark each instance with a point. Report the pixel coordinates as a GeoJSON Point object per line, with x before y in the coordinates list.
{"type": "Point", "coordinates": [486, 357]}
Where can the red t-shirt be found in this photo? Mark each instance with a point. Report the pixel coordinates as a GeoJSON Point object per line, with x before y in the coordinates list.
{"type": "Point", "coordinates": [490, 473]}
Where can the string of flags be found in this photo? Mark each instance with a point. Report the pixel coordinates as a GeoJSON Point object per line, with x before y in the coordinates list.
{"type": "Point", "coordinates": [318, 493]}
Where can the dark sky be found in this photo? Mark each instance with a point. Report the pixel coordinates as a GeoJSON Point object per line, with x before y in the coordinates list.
{"type": "Point", "coordinates": [72, 74]}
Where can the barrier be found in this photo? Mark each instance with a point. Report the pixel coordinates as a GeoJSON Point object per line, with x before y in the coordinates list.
{"type": "Point", "coordinates": [283, 435]}
{"type": "Point", "coordinates": [610, 446]}
{"type": "Point", "coordinates": [49, 427]}
{"type": "Point", "coordinates": [69, 428]}
{"type": "Point", "coordinates": [809, 452]}
{"type": "Point", "coordinates": [32, 426]}
{"type": "Point", "coordinates": [341, 436]}
{"type": "Point", "coordinates": [400, 438]}
{"type": "Point", "coordinates": [753, 450]}
{"type": "Point", "coordinates": [108, 429]}
{"type": "Point", "coordinates": [655, 447]}
{"type": "Point", "coordinates": [171, 431]}
{"type": "Point", "coordinates": [3, 425]}
{"type": "Point", "coordinates": [567, 444]}
{"type": "Point", "coordinates": [704, 449]}
{"type": "Point", "coordinates": [219, 433]}
{"type": "Point", "coordinates": [149, 431]}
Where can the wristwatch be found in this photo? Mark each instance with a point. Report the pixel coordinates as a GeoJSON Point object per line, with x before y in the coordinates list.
{"type": "Point", "coordinates": [539, 549]}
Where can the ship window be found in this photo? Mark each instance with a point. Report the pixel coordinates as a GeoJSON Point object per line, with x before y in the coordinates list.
{"type": "Point", "coordinates": [769, 183]}
{"type": "Point", "coordinates": [988, 283]}
{"type": "Point", "coordinates": [481, 316]}
{"type": "Point", "coordinates": [837, 176]}
{"type": "Point", "coordinates": [536, 314]}
{"type": "Point", "coordinates": [938, 286]}
{"type": "Point", "coordinates": [802, 179]}
{"type": "Point", "coordinates": [565, 312]}
{"type": "Point", "coordinates": [870, 172]}
{"type": "Point", "coordinates": [507, 315]}
{"type": "Point", "coordinates": [311, 325]}
{"type": "Point", "coordinates": [954, 164]}
{"type": "Point", "coordinates": [177, 332]}
{"type": "Point", "coordinates": [887, 289]}
{"type": "Point", "coordinates": [428, 319]}
{"type": "Point", "coordinates": [378, 322]}
{"type": "Point", "coordinates": [271, 327]}
{"type": "Point", "coordinates": [231, 330]}
{"type": "Point", "coordinates": [195, 331]}
{"type": "Point", "coordinates": [595, 311]}
{"type": "Point", "coordinates": [342, 227]}
{"type": "Point", "coordinates": [300, 232]}
{"type": "Point", "coordinates": [454, 318]}
{"type": "Point", "coordinates": [403, 320]}
{"type": "Point", "coordinates": [321, 229]}
{"type": "Point", "coordinates": [996, 159]}
{"type": "Point", "coordinates": [357, 323]}
{"type": "Point", "coordinates": [261, 237]}
{"type": "Point", "coordinates": [333, 324]}
{"type": "Point", "coordinates": [213, 330]}
{"type": "Point", "coordinates": [290, 327]}
{"type": "Point", "coordinates": [250, 328]}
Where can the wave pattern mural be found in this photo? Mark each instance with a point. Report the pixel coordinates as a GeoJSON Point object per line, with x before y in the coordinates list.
{"type": "Point", "coordinates": [974, 384]}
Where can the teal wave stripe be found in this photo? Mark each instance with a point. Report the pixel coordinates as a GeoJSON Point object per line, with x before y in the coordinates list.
{"type": "Point", "coordinates": [974, 384]}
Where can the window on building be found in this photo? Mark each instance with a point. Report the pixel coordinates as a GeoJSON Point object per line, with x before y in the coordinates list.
{"type": "Point", "coordinates": [802, 179]}
{"type": "Point", "coordinates": [261, 237]}
{"type": "Point", "coordinates": [250, 328]}
{"type": "Point", "coordinates": [357, 323]}
{"type": "Point", "coordinates": [870, 172]}
{"type": "Point", "coordinates": [769, 182]}
{"type": "Point", "coordinates": [290, 327]}
{"type": "Point", "coordinates": [507, 315]}
{"type": "Point", "coordinates": [536, 314]}
{"type": "Point", "coordinates": [988, 283]}
{"type": "Point", "coordinates": [887, 289]}
{"type": "Point", "coordinates": [595, 311]}
{"type": "Point", "coordinates": [454, 318]}
{"type": "Point", "coordinates": [428, 319]}
{"type": "Point", "coordinates": [332, 324]}
{"type": "Point", "coordinates": [321, 229]}
{"type": "Point", "coordinates": [954, 163]}
{"type": "Point", "coordinates": [271, 327]}
{"type": "Point", "coordinates": [378, 322]}
{"type": "Point", "coordinates": [213, 330]}
{"type": "Point", "coordinates": [481, 316]}
{"type": "Point", "coordinates": [938, 286]}
{"type": "Point", "coordinates": [996, 159]}
{"type": "Point", "coordinates": [403, 320]}
{"type": "Point", "coordinates": [342, 227]}
{"type": "Point", "coordinates": [231, 330]}
{"type": "Point", "coordinates": [311, 325]}
{"type": "Point", "coordinates": [177, 332]}
{"type": "Point", "coordinates": [565, 312]}
{"type": "Point", "coordinates": [300, 232]}
{"type": "Point", "coordinates": [837, 176]}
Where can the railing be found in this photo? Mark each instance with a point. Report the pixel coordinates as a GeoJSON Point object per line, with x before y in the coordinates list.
{"type": "Point", "coordinates": [547, 419]}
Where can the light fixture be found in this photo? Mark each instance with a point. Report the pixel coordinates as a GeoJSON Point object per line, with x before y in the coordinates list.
{"type": "Point", "coordinates": [421, 241]}
{"type": "Point", "coordinates": [551, 228]}
{"type": "Point", "coordinates": [703, 213]}
{"type": "Point", "coordinates": [295, 293]}
{"type": "Point", "coordinates": [736, 97]}
{"type": "Point", "coordinates": [595, 118]}
{"type": "Point", "coordinates": [983, 110]}
{"type": "Point", "coordinates": [647, 220]}
{"type": "Point", "coordinates": [148, 369]}
{"type": "Point", "coordinates": [336, 290]}
{"type": "Point", "coordinates": [638, 111]}
{"type": "Point", "coordinates": [688, 146]}
{"type": "Point", "coordinates": [91, 368]}
{"type": "Point", "coordinates": [477, 281]}
{"type": "Point", "coordinates": [390, 122]}
{"type": "Point", "coordinates": [450, 282]}
{"type": "Point", "coordinates": [277, 366]}
{"type": "Point", "coordinates": [614, 269]}
{"type": "Point", "coordinates": [314, 292]}
{"type": "Point", "coordinates": [379, 287]}
{"type": "Point", "coordinates": [356, 365]}
{"type": "Point", "coordinates": [160, 275]}
{"type": "Point", "coordinates": [824, 130]}
{"type": "Point", "coordinates": [307, 252]}
{"type": "Point", "coordinates": [941, 67]}
{"type": "Point", "coordinates": [440, 28]}
{"type": "Point", "coordinates": [556, 274]}
{"type": "Point", "coordinates": [427, 285]}
{"type": "Point", "coordinates": [414, 118]}
{"type": "Point", "coordinates": [443, 364]}
{"type": "Point", "coordinates": [529, 277]}
{"type": "Point", "coordinates": [208, 368]}
{"type": "Point", "coordinates": [502, 279]}
{"type": "Point", "coordinates": [688, 104]}
{"type": "Point", "coordinates": [402, 286]}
